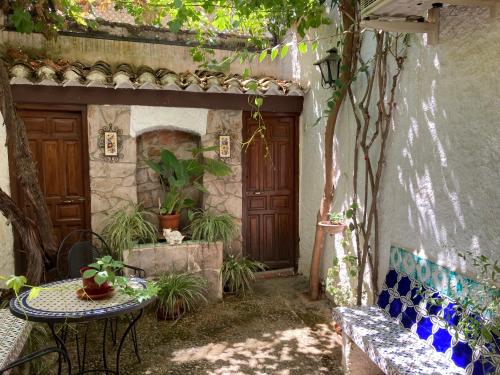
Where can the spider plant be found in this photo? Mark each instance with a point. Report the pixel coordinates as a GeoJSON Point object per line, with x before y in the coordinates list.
{"type": "Point", "coordinates": [179, 293]}
{"type": "Point", "coordinates": [127, 227]}
{"type": "Point", "coordinates": [211, 227]}
{"type": "Point", "coordinates": [238, 273]}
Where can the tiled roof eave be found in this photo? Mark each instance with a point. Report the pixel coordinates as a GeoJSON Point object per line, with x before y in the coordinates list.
{"type": "Point", "coordinates": [124, 76]}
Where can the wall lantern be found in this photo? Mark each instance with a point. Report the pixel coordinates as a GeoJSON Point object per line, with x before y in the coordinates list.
{"type": "Point", "coordinates": [330, 68]}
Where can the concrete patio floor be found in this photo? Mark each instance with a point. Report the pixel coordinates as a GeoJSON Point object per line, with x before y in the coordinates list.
{"type": "Point", "coordinates": [277, 330]}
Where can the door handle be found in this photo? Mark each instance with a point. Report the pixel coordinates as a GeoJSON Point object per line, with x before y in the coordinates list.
{"type": "Point", "coordinates": [81, 199]}
{"type": "Point", "coordinates": [258, 193]}
{"type": "Point", "coordinates": [67, 201]}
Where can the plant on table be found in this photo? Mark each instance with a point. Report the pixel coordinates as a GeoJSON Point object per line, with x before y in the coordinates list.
{"type": "Point", "coordinates": [179, 293]}
{"type": "Point", "coordinates": [209, 226]}
{"type": "Point", "coordinates": [127, 227]}
{"type": "Point", "coordinates": [179, 178]}
{"type": "Point", "coordinates": [105, 270]}
{"type": "Point", "coordinates": [238, 274]}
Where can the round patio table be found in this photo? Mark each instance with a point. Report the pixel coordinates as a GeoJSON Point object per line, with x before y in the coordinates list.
{"type": "Point", "coordinates": [58, 303]}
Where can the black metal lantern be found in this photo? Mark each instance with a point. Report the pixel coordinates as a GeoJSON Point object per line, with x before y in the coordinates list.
{"type": "Point", "coordinates": [330, 68]}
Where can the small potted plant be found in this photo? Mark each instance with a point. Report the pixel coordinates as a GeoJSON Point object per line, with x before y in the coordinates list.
{"type": "Point", "coordinates": [127, 227]}
{"type": "Point", "coordinates": [208, 226]}
{"type": "Point", "coordinates": [238, 274]}
{"type": "Point", "coordinates": [335, 223]}
{"type": "Point", "coordinates": [179, 293]}
{"type": "Point", "coordinates": [99, 277]}
{"type": "Point", "coordinates": [179, 179]}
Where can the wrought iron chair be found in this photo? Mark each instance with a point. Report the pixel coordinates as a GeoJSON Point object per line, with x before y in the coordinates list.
{"type": "Point", "coordinates": [80, 248]}
{"type": "Point", "coordinates": [35, 355]}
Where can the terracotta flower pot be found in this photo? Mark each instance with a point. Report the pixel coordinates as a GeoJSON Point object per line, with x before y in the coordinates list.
{"type": "Point", "coordinates": [91, 287]}
{"type": "Point", "coordinates": [170, 221]}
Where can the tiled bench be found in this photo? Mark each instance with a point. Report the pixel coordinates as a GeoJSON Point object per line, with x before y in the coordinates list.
{"type": "Point", "coordinates": [13, 335]}
{"type": "Point", "coordinates": [405, 334]}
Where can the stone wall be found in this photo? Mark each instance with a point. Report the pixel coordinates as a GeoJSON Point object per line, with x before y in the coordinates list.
{"type": "Point", "coordinates": [192, 256]}
{"type": "Point", "coordinates": [149, 146]}
{"type": "Point", "coordinates": [112, 185]}
{"type": "Point", "coordinates": [225, 193]}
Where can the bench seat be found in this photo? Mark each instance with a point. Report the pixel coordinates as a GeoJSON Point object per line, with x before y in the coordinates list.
{"type": "Point", "coordinates": [13, 335]}
{"type": "Point", "coordinates": [394, 349]}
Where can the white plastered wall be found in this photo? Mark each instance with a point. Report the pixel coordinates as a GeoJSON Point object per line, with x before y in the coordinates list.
{"type": "Point", "coordinates": [144, 119]}
{"type": "Point", "coordinates": [6, 237]}
{"type": "Point", "coordinates": [440, 190]}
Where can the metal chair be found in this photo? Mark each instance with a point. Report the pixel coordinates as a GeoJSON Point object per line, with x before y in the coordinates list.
{"type": "Point", "coordinates": [80, 248]}
{"type": "Point", "coordinates": [35, 355]}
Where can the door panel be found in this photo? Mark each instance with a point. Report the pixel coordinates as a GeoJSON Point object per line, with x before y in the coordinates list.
{"type": "Point", "coordinates": [58, 142]}
{"type": "Point", "coordinates": [270, 234]}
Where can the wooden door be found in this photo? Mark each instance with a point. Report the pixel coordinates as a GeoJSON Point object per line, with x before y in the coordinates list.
{"type": "Point", "coordinates": [58, 142]}
{"type": "Point", "coordinates": [270, 191]}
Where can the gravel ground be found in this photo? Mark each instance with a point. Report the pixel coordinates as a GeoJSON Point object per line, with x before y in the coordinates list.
{"type": "Point", "coordinates": [276, 330]}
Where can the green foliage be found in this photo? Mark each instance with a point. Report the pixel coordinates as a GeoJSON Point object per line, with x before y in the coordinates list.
{"type": "Point", "coordinates": [179, 293]}
{"type": "Point", "coordinates": [336, 218]}
{"type": "Point", "coordinates": [127, 227]}
{"type": "Point", "coordinates": [341, 290]}
{"type": "Point", "coordinates": [238, 273]}
{"type": "Point", "coordinates": [208, 226]}
{"type": "Point", "coordinates": [103, 270]}
{"type": "Point", "coordinates": [180, 177]}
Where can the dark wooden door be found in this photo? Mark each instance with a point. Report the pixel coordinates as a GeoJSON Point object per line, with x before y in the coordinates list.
{"type": "Point", "coordinates": [58, 142]}
{"type": "Point", "coordinates": [270, 196]}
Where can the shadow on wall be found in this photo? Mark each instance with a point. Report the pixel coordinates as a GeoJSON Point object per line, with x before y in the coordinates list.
{"type": "Point", "coordinates": [441, 184]}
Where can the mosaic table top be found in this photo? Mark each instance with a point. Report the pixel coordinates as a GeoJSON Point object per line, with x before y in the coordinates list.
{"type": "Point", "coordinates": [58, 302]}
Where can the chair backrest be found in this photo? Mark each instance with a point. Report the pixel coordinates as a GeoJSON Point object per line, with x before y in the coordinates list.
{"type": "Point", "coordinates": [78, 249]}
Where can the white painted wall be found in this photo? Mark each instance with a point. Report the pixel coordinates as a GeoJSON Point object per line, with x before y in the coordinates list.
{"type": "Point", "coordinates": [6, 237]}
{"type": "Point", "coordinates": [144, 119]}
{"type": "Point", "coordinates": [440, 189]}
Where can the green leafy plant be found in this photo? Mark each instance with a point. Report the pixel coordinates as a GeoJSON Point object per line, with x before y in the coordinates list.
{"type": "Point", "coordinates": [336, 218]}
{"type": "Point", "coordinates": [238, 273]}
{"type": "Point", "coordinates": [208, 226]}
{"type": "Point", "coordinates": [103, 270]}
{"type": "Point", "coordinates": [179, 178]}
{"type": "Point", "coordinates": [127, 227]}
{"type": "Point", "coordinates": [341, 290]}
{"type": "Point", "coordinates": [179, 293]}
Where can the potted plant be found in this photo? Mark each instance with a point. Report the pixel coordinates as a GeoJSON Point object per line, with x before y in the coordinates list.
{"type": "Point", "coordinates": [179, 293]}
{"type": "Point", "coordinates": [99, 277]}
{"type": "Point", "coordinates": [211, 227]}
{"type": "Point", "coordinates": [127, 227]}
{"type": "Point", "coordinates": [238, 273]}
{"type": "Point", "coordinates": [179, 178]}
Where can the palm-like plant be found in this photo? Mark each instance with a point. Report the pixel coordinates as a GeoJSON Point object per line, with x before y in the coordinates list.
{"type": "Point", "coordinates": [180, 293]}
{"type": "Point", "coordinates": [180, 177]}
{"type": "Point", "coordinates": [127, 227]}
{"type": "Point", "coordinates": [208, 226]}
{"type": "Point", "coordinates": [238, 273]}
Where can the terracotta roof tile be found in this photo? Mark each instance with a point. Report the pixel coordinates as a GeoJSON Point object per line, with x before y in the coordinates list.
{"type": "Point", "coordinates": [124, 76]}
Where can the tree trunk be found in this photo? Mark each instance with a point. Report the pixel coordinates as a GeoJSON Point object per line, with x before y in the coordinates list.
{"type": "Point", "coordinates": [27, 175]}
{"type": "Point", "coordinates": [348, 19]}
{"type": "Point", "coordinates": [28, 232]}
